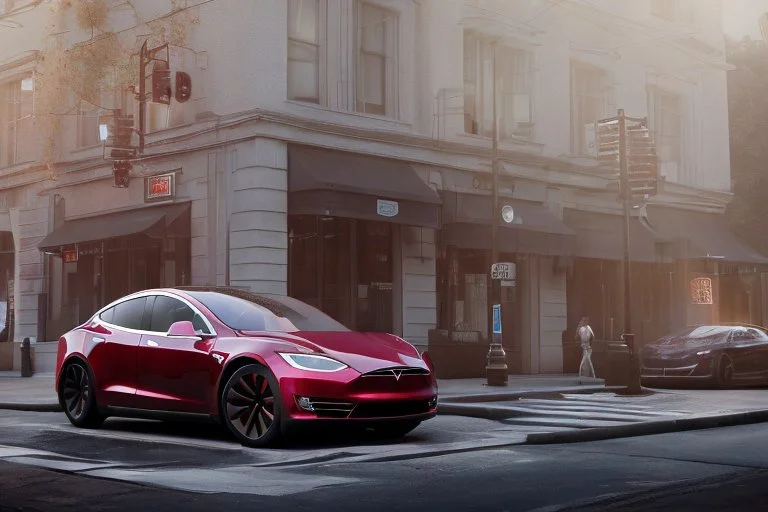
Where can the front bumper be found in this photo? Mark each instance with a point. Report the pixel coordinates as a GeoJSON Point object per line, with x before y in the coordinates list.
{"type": "Point", "coordinates": [350, 397]}
{"type": "Point", "coordinates": [686, 369]}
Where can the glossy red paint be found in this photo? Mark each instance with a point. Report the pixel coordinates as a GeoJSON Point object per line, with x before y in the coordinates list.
{"type": "Point", "coordinates": [154, 371]}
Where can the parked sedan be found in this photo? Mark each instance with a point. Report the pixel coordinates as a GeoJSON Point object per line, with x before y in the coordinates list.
{"type": "Point", "coordinates": [255, 364]}
{"type": "Point", "coordinates": [720, 354]}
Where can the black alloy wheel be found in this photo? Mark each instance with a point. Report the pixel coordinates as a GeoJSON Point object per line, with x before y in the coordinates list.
{"type": "Point", "coordinates": [725, 371]}
{"type": "Point", "coordinates": [251, 406]}
{"type": "Point", "coordinates": [76, 396]}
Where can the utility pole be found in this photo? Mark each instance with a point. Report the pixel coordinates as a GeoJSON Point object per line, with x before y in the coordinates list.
{"type": "Point", "coordinates": [631, 148]}
{"type": "Point", "coordinates": [496, 370]}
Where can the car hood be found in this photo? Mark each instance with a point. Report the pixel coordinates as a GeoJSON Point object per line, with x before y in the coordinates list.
{"type": "Point", "coordinates": [365, 352]}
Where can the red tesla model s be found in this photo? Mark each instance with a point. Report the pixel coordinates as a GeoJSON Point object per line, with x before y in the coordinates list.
{"type": "Point", "coordinates": [256, 364]}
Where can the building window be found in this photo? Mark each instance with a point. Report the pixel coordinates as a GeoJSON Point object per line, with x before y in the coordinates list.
{"type": "Point", "coordinates": [665, 116]}
{"type": "Point", "coordinates": [682, 11]}
{"type": "Point", "coordinates": [376, 60]}
{"type": "Point", "coordinates": [18, 139]}
{"type": "Point", "coordinates": [513, 90]}
{"type": "Point", "coordinates": [591, 97]}
{"type": "Point", "coordinates": [88, 121]}
{"type": "Point", "coordinates": [305, 43]}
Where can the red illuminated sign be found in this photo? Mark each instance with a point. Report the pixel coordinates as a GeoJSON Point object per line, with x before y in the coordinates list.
{"type": "Point", "coordinates": [701, 290]}
{"type": "Point", "coordinates": [69, 255]}
{"type": "Point", "coordinates": [158, 188]}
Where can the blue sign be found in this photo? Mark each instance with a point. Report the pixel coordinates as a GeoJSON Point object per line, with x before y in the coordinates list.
{"type": "Point", "coordinates": [497, 319]}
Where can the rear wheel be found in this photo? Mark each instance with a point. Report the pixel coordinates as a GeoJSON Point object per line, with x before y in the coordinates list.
{"type": "Point", "coordinates": [77, 397]}
{"type": "Point", "coordinates": [251, 406]}
{"type": "Point", "coordinates": [396, 429]}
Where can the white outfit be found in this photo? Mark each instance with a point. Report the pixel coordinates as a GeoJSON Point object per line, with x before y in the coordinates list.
{"type": "Point", "coordinates": [586, 335]}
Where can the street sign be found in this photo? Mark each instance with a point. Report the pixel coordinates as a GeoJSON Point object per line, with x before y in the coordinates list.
{"type": "Point", "coordinates": [497, 319]}
{"type": "Point", "coordinates": [503, 271]}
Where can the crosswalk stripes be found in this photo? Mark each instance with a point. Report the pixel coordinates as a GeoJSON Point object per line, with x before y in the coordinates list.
{"type": "Point", "coordinates": [586, 411]}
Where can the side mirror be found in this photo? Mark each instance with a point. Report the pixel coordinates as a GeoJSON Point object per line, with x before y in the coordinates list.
{"type": "Point", "coordinates": [183, 329]}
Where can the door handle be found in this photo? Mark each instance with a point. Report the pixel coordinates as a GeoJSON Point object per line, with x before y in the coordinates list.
{"type": "Point", "coordinates": [151, 343]}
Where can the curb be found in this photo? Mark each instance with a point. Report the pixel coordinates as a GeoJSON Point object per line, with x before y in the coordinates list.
{"type": "Point", "coordinates": [514, 395]}
{"type": "Point", "coordinates": [50, 407]}
{"type": "Point", "coordinates": [649, 428]}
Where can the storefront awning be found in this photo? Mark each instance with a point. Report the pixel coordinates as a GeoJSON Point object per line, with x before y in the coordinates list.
{"type": "Point", "coordinates": [341, 184]}
{"type": "Point", "coordinates": [113, 225]}
{"type": "Point", "coordinates": [534, 230]}
{"type": "Point", "coordinates": [601, 236]}
{"type": "Point", "coordinates": [700, 235]}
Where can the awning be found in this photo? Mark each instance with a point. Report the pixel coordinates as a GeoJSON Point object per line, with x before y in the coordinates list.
{"type": "Point", "coordinates": [341, 184]}
{"type": "Point", "coordinates": [535, 230]}
{"type": "Point", "coordinates": [700, 235]}
{"type": "Point", "coordinates": [601, 236]}
{"type": "Point", "coordinates": [151, 221]}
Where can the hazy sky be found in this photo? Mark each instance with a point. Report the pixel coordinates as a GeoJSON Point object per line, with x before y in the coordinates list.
{"type": "Point", "coordinates": [740, 17]}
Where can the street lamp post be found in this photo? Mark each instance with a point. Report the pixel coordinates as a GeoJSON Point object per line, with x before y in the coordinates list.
{"type": "Point", "coordinates": [496, 369]}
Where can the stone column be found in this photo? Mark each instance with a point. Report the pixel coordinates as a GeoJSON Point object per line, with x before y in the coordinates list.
{"type": "Point", "coordinates": [258, 225]}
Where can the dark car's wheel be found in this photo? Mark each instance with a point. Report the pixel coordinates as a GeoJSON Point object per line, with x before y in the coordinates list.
{"type": "Point", "coordinates": [396, 429]}
{"type": "Point", "coordinates": [251, 406]}
{"type": "Point", "coordinates": [724, 371]}
{"type": "Point", "coordinates": [77, 396]}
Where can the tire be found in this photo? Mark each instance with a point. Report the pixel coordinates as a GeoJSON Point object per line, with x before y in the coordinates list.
{"type": "Point", "coordinates": [251, 407]}
{"type": "Point", "coordinates": [77, 397]}
{"type": "Point", "coordinates": [396, 430]}
{"type": "Point", "coordinates": [724, 371]}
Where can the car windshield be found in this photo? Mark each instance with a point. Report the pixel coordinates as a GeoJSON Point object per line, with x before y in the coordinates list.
{"type": "Point", "coordinates": [700, 334]}
{"type": "Point", "coordinates": [282, 314]}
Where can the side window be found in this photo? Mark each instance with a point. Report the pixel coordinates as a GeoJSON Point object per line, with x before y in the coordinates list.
{"type": "Point", "coordinates": [108, 315]}
{"type": "Point", "coordinates": [130, 314]}
{"type": "Point", "coordinates": [168, 310]}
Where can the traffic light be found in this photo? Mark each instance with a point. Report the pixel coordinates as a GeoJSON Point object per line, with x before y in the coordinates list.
{"type": "Point", "coordinates": [122, 138]}
{"type": "Point", "coordinates": [161, 83]}
{"type": "Point", "coordinates": [121, 170]}
{"type": "Point", "coordinates": [642, 162]}
{"type": "Point", "coordinates": [183, 86]}
{"type": "Point", "coordinates": [608, 142]}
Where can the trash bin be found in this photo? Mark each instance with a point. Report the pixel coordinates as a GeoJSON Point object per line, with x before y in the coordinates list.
{"type": "Point", "coordinates": [616, 370]}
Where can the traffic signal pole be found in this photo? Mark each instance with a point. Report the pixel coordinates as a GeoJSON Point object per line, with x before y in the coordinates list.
{"type": "Point", "coordinates": [625, 191]}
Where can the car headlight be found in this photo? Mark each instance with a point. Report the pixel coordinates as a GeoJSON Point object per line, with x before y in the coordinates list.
{"type": "Point", "coordinates": [312, 362]}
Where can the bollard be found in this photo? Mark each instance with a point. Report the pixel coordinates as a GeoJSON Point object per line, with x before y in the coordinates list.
{"type": "Point", "coordinates": [496, 371]}
{"type": "Point", "coordinates": [26, 358]}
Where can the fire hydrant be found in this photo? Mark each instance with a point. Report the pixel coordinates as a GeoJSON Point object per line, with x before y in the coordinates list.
{"type": "Point", "coordinates": [26, 358]}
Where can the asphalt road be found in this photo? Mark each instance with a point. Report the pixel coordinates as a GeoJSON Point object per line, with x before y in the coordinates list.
{"type": "Point", "coordinates": [45, 465]}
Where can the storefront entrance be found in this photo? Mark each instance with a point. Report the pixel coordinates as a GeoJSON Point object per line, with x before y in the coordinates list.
{"type": "Point", "coordinates": [151, 249]}
{"type": "Point", "coordinates": [343, 267]}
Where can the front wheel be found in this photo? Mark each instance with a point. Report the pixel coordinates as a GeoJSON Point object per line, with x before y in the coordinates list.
{"type": "Point", "coordinates": [724, 371]}
{"type": "Point", "coordinates": [77, 397]}
{"type": "Point", "coordinates": [251, 406]}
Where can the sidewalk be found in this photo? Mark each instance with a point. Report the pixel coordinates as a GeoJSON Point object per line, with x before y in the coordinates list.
{"type": "Point", "coordinates": [37, 394]}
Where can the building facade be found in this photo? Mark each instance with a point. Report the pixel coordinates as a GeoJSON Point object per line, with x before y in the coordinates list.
{"type": "Point", "coordinates": [342, 155]}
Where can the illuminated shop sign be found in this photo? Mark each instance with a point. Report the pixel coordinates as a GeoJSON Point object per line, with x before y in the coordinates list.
{"type": "Point", "coordinates": [701, 290]}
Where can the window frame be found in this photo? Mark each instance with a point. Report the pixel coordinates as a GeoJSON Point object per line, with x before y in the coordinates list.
{"type": "Point", "coordinates": [656, 109]}
{"type": "Point", "coordinates": [579, 142]}
{"type": "Point", "coordinates": [320, 44]}
{"type": "Point", "coordinates": [478, 94]}
{"type": "Point", "coordinates": [390, 62]}
{"type": "Point", "coordinates": [11, 116]}
{"type": "Point", "coordinates": [195, 312]}
{"type": "Point", "coordinates": [149, 295]}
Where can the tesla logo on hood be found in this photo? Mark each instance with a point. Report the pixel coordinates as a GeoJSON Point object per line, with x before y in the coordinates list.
{"type": "Point", "coordinates": [397, 374]}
